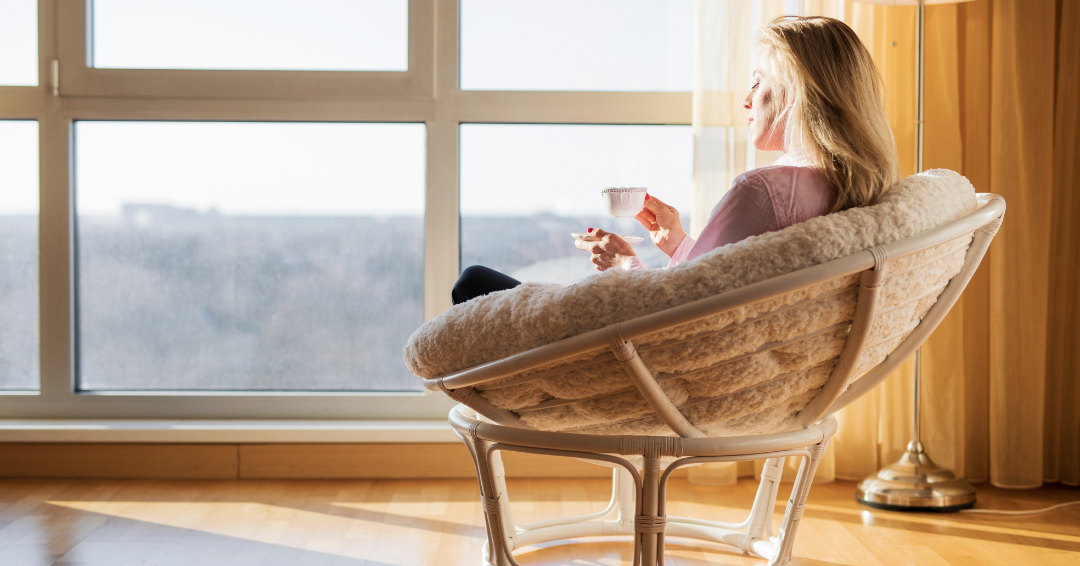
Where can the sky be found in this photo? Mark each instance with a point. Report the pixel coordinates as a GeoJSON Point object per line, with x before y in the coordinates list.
{"type": "Point", "coordinates": [321, 35]}
{"type": "Point", "coordinates": [249, 168]}
{"type": "Point", "coordinates": [365, 169]}
{"type": "Point", "coordinates": [18, 167]}
{"type": "Point", "coordinates": [560, 169]}
{"type": "Point", "coordinates": [18, 42]}
{"type": "Point", "coordinates": [612, 45]}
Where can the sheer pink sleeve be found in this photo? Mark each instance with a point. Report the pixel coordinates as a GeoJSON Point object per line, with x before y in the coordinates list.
{"type": "Point", "coordinates": [682, 251]}
{"type": "Point", "coordinates": [678, 257]}
{"type": "Point", "coordinates": [746, 210]}
{"type": "Point", "coordinates": [759, 201]}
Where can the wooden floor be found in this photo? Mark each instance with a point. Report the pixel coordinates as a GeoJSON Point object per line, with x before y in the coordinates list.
{"type": "Point", "coordinates": [438, 522]}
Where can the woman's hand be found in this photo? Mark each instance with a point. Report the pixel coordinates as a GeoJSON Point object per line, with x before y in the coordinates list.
{"type": "Point", "coordinates": [608, 250]}
{"type": "Point", "coordinates": [662, 222]}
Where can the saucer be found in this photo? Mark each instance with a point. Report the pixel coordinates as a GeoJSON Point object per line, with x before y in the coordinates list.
{"type": "Point", "coordinates": [632, 240]}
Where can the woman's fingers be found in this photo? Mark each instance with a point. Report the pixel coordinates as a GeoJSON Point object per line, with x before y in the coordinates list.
{"type": "Point", "coordinates": [614, 244]}
{"type": "Point", "coordinates": [585, 245]}
{"type": "Point", "coordinates": [607, 249]}
{"type": "Point", "coordinates": [595, 247]}
{"type": "Point", "coordinates": [654, 204]}
{"type": "Point", "coordinates": [647, 219]}
{"type": "Point", "coordinates": [657, 206]}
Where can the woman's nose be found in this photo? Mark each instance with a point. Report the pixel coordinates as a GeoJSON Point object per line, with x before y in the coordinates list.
{"type": "Point", "coordinates": [746, 101]}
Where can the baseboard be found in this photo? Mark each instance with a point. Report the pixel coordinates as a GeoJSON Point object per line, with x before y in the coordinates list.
{"type": "Point", "coordinates": [271, 461]}
{"type": "Point", "coordinates": [99, 461]}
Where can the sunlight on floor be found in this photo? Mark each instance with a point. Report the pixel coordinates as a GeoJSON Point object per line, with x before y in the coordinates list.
{"type": "Point", "coordinates": [405, 523]}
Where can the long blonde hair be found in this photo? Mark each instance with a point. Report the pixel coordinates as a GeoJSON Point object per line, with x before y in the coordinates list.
{"type": "Point", "coordinates": [833, 106]}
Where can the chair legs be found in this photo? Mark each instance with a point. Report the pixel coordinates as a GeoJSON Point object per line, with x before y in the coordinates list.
{"type": "Point", "coordinates": [638, 504]}
{"type": "Point", "coordinates": [759, 524]}
{"type": "Point", "coordinates": [489, 472]}
{"type": "Point", "coordinates": [796, 505]}
{"type": "Point", "coordinates": [649, 524]}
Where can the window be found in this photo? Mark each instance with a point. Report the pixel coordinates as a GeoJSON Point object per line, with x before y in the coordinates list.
{"type": "Point", "coordinates": [247, 49]}
{"type": "Point", "coordinates": [316, 35]}
{"type": "Point", "coordinates": [255, 234]}
{"type": "Point", "coordinates": [248, 256]}
{"type": "Point", "coordinates": [526, 187]}
{"type": "Point", "coordinates": [18, 43]}
{"type": "Point", "coordinates": [18, 255]}
{"type": "Point", "coordinates": [597, 45]}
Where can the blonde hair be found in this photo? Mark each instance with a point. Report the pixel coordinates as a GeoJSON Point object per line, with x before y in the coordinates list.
{"type": "Point", "coordinates": [834, 109]}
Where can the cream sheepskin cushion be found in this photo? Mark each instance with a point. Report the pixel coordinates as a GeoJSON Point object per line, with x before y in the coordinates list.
{"type": "Point", "coordinates": [749, 373]}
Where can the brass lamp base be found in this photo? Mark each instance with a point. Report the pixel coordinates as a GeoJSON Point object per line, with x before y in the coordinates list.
{"type": "Point", "coordinates": [915, 483]}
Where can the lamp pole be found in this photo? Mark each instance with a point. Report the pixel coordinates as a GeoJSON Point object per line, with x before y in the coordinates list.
{"type": "Point", "coordinates": [915, 482]}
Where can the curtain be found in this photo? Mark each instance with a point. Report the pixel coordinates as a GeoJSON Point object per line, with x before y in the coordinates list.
{"type": "Point", "coordinates": [1000, 400]}
{"type": "Point", "coordinates": [719, 149]}
{"type": "Point", "coordinates": [1061, 455]}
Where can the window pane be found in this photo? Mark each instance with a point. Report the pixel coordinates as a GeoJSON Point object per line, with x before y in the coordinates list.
{"type": "Point", "coordinates": [248, 256]}
{"type": "Point", "coordinates": [18, 255]}
{"type": "Point", "coordinates": [18, 43]}
{"type": "Point", "coordinates": [308, 35]}
{"type": "Point", "coordinates": [602, 45]}
{"type": "Point", "coordinates": [525, 188]}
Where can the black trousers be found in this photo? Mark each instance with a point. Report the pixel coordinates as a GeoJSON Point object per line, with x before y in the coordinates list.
{"type": "Point", "coordinates": [477, 281]}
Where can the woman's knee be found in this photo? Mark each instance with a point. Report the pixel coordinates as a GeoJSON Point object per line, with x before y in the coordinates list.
{"type": "Point", "coordinates": [477, 280]}
{"type": "Point", "coordinates": [474, 272]}
{"type": "Point", "coordinates": [466, 282]}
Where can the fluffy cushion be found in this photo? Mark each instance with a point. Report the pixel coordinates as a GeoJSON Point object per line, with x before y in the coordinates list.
{"type": "Point", "coordinates": [734, 389]}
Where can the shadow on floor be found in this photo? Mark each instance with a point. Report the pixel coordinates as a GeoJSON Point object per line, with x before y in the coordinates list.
{"type": "Point", "coordinates": [70, 537]}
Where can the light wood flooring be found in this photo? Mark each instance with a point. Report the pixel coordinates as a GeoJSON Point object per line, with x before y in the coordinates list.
{"type": "Point", "coordinates": [439, 522]}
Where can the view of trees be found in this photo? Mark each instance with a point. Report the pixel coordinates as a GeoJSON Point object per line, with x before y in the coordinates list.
{"type": "Point", "coordinates": [18, 302]}
{"type": "Point", "coordinates": [540, 248]}
{"type": "Point", "coordinates": [175, 299]}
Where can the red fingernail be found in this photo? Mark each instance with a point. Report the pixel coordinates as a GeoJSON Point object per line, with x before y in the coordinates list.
{"type": "Point", "coordinates": [646, 196]}
{"type": "Point", "coordinates": [590, 230]}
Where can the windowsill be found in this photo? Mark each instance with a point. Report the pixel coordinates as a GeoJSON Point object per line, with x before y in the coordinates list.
{"type": "Point", "coordinates": [225, 431]}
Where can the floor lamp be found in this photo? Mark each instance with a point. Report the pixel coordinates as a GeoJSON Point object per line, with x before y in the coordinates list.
{"type": "Point", "coordinates": [915, 483]}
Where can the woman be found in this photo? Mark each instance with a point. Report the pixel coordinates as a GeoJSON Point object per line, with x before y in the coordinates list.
{"type": "Point", "coordinates": [818, 98]}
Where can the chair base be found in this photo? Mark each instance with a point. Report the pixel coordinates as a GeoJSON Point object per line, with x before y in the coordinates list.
{"type": "Point", "coordinates": [638, 501]}
{"type": "Point", "coordinates": [622, 524]}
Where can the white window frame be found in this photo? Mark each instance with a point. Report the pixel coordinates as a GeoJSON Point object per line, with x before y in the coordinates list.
{"type": "Point", "coordinates": [427, 93]}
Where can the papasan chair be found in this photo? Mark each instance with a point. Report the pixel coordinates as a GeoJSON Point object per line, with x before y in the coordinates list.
{"type": "Point", "coordinates": [744, 353]}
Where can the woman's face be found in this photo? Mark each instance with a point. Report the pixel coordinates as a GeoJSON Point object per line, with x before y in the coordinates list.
{"type": "Point", "coordinates": [765, 102]}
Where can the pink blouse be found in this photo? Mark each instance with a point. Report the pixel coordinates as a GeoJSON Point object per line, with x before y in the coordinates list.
{"type": "Point", "coordinates": [759, 201]}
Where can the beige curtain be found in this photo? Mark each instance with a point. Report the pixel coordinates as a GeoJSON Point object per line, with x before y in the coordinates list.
{"type": "Point", "coordinates": [1061, 453]}
{"type": "Point", "coordinates": [1000, 395]}
{"type": "Point", "coordinates": [719, 148]}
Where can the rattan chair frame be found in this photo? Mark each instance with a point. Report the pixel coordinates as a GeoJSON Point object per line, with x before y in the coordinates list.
{"type": "Point", "coordinates": [638, 494]}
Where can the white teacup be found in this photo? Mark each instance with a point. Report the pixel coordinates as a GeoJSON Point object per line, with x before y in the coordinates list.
{"type": "Point", "coordinates": [624, 202]}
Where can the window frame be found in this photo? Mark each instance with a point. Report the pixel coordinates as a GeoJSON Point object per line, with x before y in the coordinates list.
{"type": "Point", "coordinates": [78, 78]}
{"type": "Point", "coordinates": [430, 96]}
